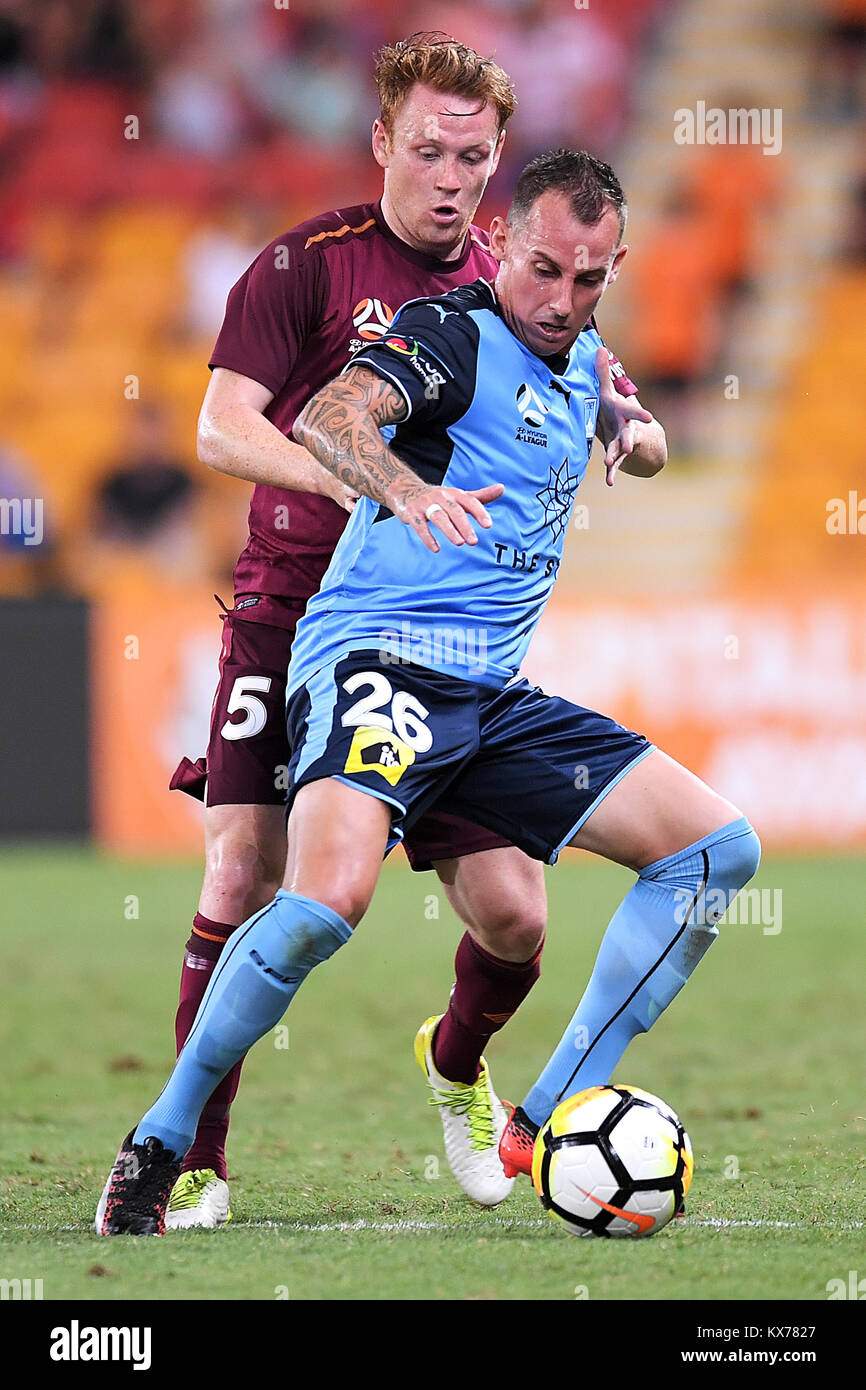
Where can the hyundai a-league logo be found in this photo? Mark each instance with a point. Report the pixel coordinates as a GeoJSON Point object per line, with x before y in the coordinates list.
{"type": "Point", "coordinates": [556, 497]}
{"type": "Point", "coordinates": [531, 406]}
{"type": "Point", "coordinates": [372, 318]}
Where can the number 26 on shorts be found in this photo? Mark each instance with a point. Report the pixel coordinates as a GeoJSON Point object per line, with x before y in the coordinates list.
{"type": "Point", "coordinates": [407, 716]}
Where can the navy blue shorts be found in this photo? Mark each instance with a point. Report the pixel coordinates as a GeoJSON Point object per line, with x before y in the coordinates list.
{"type": "Point", "coordinates": [530, 767]}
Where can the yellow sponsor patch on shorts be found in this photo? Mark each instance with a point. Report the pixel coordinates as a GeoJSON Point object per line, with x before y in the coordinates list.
{"type": "Point", "coordinates": [375, 750]}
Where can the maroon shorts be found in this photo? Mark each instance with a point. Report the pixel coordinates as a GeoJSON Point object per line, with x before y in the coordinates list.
{"type": "Point", "coordinates": [248, 750]}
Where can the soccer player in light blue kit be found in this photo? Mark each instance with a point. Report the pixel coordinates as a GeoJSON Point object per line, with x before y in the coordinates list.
{"type": "Point", "coordinates": [404, 687]}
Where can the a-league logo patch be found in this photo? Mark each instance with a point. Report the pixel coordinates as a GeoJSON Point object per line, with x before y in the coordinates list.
{"type": "Point", "coordinates": [372, 318]}
{"type": "Point", "coordinates": [375, 750]}
{"type": "Point", "coordinates": [402, 345]}
{"type": "Point", "coordinates": [432, 378]}
{"type": "Point", "coordinates": [531, 406]}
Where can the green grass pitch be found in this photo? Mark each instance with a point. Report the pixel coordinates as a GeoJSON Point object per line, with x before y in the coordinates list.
{"type": "Point", "coordinates": [340, 1189]}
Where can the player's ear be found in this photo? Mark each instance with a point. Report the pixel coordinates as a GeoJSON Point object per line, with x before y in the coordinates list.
{"type": "Point", "coordinates": [496, 153]}
{"type": "Point", "coordinates": [499, 237]}
{"type": "Point", "coordinates": [381, 143]}
{"type": "Point", "coordinates": [621, 253]}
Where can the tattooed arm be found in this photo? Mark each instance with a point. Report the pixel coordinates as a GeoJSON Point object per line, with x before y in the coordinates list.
{"type": "Point", "coordinates": [340, 426]}
{"type": "Point", "coordinates": [236, 437]}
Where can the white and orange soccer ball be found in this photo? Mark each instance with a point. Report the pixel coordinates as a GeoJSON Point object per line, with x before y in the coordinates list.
{"type": "Point", "coordinates": [613, 1161]}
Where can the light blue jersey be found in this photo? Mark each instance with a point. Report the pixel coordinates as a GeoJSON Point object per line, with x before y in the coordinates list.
{"type": "Point", "coordinates": [483, 408]}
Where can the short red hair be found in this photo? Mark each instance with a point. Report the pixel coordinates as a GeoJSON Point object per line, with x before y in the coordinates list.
{"type": "Point", "coordinates": [442, 63]}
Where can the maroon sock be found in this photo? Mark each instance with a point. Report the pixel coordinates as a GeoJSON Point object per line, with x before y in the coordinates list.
{"type": "Point", "coordinates": [486, 993]}
{"type": "Point", "coordinates": [203, 950]}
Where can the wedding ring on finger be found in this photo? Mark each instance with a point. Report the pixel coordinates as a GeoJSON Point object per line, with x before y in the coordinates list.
{"type": "Point", "coordinates": [434, 507]}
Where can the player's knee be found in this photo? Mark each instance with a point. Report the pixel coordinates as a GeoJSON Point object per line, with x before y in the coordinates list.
{"type": "Point", "coordinates": [242, 875]}
{"type": "Point", "coordinates": [512, 930]}
{"type": "Point", "coordinates": [747, 854]}
{"type": "Point", "coordinates": [351, 906]}
{"type": "Point", "coordinates": [705, 878]}
{"type": "Point", "coordinates": [269, 877]}
{"type": "Point", "coordinates": [734, 860]}
{"type": "Point", "coordinates": [348, 897]}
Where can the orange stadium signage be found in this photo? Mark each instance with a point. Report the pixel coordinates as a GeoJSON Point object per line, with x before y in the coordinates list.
{"type": "Point", "coordinates": [153, 676]}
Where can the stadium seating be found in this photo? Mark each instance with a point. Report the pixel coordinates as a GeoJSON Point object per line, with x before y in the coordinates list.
{"type": "Point", "coordinates": [817, 451]}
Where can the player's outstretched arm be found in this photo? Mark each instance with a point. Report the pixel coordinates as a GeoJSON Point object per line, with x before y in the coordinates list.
{"type": "Point", "coordinates": [634, 441]}
{"type": "Point", "coordinates": [341, 427]}
{"type": "Point", "coordinates": [235, 437]}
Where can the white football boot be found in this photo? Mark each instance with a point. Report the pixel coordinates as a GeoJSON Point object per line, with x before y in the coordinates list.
{"type": "Point", "coordinates": [473, 1119]}
{"type": "Point", "coordinates": [198, 1198]}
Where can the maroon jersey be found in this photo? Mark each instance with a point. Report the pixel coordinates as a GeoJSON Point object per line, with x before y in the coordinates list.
{"type": "Point", "coordinates": [307, 303]}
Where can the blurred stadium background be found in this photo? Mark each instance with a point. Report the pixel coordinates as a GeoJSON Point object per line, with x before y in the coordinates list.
{"type": "Point", "coordinates": [148, 151]}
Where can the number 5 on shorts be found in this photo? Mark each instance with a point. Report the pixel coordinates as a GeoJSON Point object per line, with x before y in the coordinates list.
{"type": "Point", "coordinates": [255, 712]}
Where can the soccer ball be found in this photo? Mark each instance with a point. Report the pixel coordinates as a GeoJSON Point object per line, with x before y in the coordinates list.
{"type": "Point", "coordinates": [612, 1161]}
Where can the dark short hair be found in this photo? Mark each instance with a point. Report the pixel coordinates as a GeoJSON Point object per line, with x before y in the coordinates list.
{"type": "Point", "coordinates": [591, 186]}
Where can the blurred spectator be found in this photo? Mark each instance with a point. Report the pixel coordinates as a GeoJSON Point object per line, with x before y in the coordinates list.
{"type": "Point", "coordinates": [16, 57]}
{"type": "Point", "coordinates": [322, 91]}
{"type": "Point", "coordinates": [483, 27]}
{"type": "Point", "coordinates": [20, 87]}
{"type": "Point", "coordinates": [676, 276]}
{"type": "Point", "coordinates": [839, 72]}
{"type": "Point", "coordinates": [215, 258]}
{"type": "Point", "coordinates": [197, 101]}
{"type": "Point", "coordinates": [856, 246]}
{"type": "Point", "coordinates": [13, 38]}
{"type": "Point", "coordinates": [145, 499]}
{"type": "Point", "coordinates": [676, 281]}
{"type": "Point", "coordinates": [145, 526]}
{"type": "Point", "coordinates": [87, 38]}
{"type": "Point", "coordinates": [155, 521]}
{"type": "Point", "coordinates": [569, 70]}
{"type": "Point", "coordinates": [734, 186]}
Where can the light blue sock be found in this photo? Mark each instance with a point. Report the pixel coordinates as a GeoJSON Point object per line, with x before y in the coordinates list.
{"type": "Point", "coordinates": [262, 966]}
{"type": "Point", "coordinates": [654, 940]}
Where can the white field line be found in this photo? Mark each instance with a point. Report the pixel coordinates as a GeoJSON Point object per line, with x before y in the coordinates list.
{"type": "Point", "coordinates": [717, 1223]}
{"type": "Point", "coordinates": [392, 1227]}
{"type": "Point", "coordinates": [724, 1223]}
